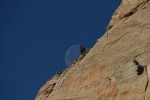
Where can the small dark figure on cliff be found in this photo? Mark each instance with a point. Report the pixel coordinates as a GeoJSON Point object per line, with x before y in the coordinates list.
{"type": "Point", "coordinates": [140, 68]}
{"type": "Point", "coordinates": [82, 49]}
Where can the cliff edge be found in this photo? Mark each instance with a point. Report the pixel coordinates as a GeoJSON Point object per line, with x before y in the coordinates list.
{"type": "Point", "coordinates": [118, 65]}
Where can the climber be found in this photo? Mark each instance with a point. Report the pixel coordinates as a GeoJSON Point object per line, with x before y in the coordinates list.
{"type": "Point", "coordinates": [82, 49]}
{"type": "Point", "coordinates": [140, 68]}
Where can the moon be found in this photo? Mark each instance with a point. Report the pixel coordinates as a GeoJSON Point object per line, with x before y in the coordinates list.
{"type": "Point", "coordinates": [72, 54]}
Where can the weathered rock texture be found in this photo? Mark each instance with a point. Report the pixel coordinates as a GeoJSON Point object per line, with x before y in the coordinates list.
{"type": "Point", "coordinates": [108, 72]}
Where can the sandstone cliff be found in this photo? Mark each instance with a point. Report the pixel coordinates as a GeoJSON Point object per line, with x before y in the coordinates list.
{"type": "Point", "coordinates": [108, 71]}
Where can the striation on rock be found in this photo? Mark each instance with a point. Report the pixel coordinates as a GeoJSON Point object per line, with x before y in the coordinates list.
{"type": "Point", "coordinates": [108, 72]}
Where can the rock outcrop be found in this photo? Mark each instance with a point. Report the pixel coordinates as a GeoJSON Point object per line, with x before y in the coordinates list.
{"type": "Point", "coordinates": [109, 70]}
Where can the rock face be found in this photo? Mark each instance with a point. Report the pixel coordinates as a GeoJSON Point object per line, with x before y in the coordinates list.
{"type": "Point", "coordinates": [108, 71]}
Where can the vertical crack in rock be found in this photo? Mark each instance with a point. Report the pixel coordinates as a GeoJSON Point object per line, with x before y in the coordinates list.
{"type": "Point", "coordinates": [147, 78]}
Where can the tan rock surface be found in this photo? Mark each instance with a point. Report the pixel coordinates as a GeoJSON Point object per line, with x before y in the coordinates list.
{"type": "Point", "coordinates": [108, 72]}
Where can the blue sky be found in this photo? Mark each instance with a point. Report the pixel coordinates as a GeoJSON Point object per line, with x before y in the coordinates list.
{"type": "Point", "coordinates": [35, 34]}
